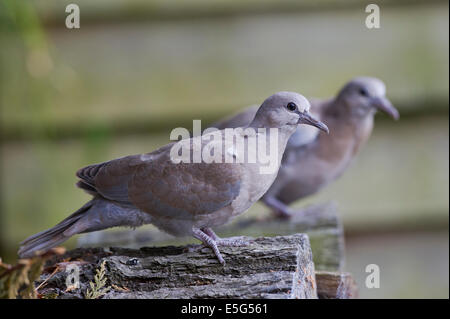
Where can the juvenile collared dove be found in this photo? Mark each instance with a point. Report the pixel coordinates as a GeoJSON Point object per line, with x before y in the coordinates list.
{"type": "Point", "coordinates": [312, 159]}
{"type": "Point", "coordinates": [180, 198]}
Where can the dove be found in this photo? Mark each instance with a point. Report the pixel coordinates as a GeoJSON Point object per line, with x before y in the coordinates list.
{"type": "Point", "coordinates": [312, 160]}
{"type": "Point", "coordinates": [182, 197]}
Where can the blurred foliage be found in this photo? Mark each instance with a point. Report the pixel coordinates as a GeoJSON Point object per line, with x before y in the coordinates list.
{"type": "Point", "coordinates": [115, 11]}
{"type": "Point", "coordinates": [25, 63]}
{"type": "Point", "coordinates": [18, 281]}
{"type": "Point", "coordinates": [147, 77]}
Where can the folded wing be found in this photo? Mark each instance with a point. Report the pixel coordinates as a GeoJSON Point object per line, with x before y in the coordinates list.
{"type": "Point", "coordinates": [154, 184]}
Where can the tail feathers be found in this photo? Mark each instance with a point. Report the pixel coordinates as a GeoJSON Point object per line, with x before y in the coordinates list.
{"type": "Point", "coordinates": [55, 235]}
{"type": "Point", "coordinates": [87, 174]}
{"type": "Point", "coordinates": [87, 188]}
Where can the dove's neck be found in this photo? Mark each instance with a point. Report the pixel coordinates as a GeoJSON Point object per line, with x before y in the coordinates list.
{"type": "Point", "coordinates": [343, 117]}
{"type": "Point", "coordinates": [272, 126]}
{"type": "Point", "coordinates": [348, 133]}
{"type": "Point", "coordinates": [282, 135]}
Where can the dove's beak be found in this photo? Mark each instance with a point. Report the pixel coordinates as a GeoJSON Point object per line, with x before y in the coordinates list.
{"type": "Point", "coordinates": [385, 106]}
{"type": "Point", "coordinates": [307, 119]}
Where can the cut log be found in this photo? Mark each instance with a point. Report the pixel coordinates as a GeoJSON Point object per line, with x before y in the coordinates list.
{"type": "Point", "coordinates": [334, 285]}
{"type": "Point", "coordinates": [269, 267]}
{"type": "Point", "coordinates": [320, 222]}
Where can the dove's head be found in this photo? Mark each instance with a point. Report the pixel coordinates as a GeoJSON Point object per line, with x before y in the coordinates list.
{"type": "Point", "coordinates": [365, 96]}
{"type": "Point", "coordinates": [285, 110]}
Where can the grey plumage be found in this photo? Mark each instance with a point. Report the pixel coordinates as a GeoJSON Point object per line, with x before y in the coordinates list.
{"type": "Point", "coordinates": [313, 159]}
{"type": "Point", "coordinates": [179, 198]}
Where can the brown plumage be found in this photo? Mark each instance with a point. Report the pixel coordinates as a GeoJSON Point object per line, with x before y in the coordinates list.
{"type": "Point", "coordinates": [312, 160]}
{"type": "Point", "coordinates": [179, 198]}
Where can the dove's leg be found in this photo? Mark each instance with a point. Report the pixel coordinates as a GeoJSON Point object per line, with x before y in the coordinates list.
{"type": "Point", "coordinates": [235, 242]}
{"type": "Point", "coordinates": [208, 241]}
{"type": "Point", "coordinates": [280, 210]}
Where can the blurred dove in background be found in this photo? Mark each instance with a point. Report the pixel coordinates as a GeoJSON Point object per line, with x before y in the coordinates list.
{"type": "Point", "coordinates": [312, 159]}
{"type": "Point", "coordinates": [179, 198]}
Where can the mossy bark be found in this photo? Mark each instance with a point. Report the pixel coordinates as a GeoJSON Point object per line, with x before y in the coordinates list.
{"type": "Point", "coordinates": [268, 267]}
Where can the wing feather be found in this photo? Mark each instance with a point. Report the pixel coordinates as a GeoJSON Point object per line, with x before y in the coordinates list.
{"type": "Point", "coordinates": [154, 184]}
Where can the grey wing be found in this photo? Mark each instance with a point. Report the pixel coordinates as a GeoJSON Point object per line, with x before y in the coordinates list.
{"type": "Point", "coordinates": [184, 190]}
{"type": "Point", "coordinates": [110, 179]}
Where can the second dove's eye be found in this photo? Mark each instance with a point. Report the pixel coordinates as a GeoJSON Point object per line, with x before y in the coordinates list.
{"type": "Point", "coordinates": [291, 106]}
{"type": "Point", "coordinates": [363, 92]}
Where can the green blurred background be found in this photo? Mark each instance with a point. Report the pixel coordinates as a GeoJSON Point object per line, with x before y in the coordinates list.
{"type": "Point", "coordinates": [136, 69]}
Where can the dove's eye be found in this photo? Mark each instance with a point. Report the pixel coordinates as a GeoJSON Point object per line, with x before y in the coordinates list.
{"type": "Point", "coordinates": [291, 106]}
{"type": "Point", "coordinates": [363, 92]}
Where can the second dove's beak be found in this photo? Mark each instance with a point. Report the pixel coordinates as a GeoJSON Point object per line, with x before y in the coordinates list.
{"type": "Point", "coordinates": [384, 105]}
{"type": "Point", "coordinates": [307, 119]}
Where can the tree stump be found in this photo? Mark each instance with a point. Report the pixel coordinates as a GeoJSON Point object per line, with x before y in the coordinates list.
{"type": "Point", "coordinates": [269, 267]}
{"type": "Point", "coordinates": [320, 222]}
{"type": "Point", "coordinates": [335, 285]}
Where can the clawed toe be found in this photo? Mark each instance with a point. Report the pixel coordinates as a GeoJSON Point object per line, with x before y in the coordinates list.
{"type": "Point", "coordinates": [208, 241]}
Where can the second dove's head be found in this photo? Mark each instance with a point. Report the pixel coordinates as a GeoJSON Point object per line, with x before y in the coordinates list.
{"type": "Point", "coordinates": [365, 95]}
{"type": "Point", "coordinates": [286, 109]}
